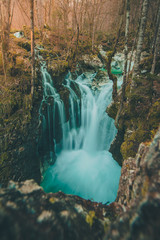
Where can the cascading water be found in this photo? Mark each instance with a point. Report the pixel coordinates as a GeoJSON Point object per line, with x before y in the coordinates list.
{"type": "Point", "coordinates": [83, 165]}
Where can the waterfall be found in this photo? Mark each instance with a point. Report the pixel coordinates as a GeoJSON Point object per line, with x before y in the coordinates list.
{"type": "Point", "coordinates": [80, 145]}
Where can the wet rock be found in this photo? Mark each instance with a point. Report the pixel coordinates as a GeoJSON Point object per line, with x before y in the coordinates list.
{"type": "Point", "coordinates": [26, 212]}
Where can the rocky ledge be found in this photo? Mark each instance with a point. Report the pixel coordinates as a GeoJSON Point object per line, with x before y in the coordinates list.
{"type": "Point", "coordinates": [26, 212]}
{"type": "Point", "coordinates": [139, 195]}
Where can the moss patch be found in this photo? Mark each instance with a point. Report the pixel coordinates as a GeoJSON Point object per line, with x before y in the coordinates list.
{"type": "Point", "coordinates": [140, 115]}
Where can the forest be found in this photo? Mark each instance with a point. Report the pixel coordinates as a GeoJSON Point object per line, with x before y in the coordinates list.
{"type": "Point", "coordinates": [80, 119]}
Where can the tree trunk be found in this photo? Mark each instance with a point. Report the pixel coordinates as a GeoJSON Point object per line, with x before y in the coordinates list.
{"type": "Point", "coordinates": [32, 45]}
{"type": "Point", "coordinates": [77, 38]}
{"type": "Point", "coordinates": [125, 62]}
{"type": "Point", "coordinates": [93, 33]}
{"type": "Point", "coordinates": [126, 48]}
{"type": "Point", "coordinates": [140, 39]}
{"type": "Point", "coordinates": [37, 13]}
{"type": "Point", "coordinates": [108, 63]}
{"type": "Point", "coordinates": [5, 20]}
{"type": "Point", "coordinates": [157, 44]}
{"type": "Point", "coordinates": [156, 28]}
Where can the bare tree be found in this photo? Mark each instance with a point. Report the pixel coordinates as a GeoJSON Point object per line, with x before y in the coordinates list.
{"type": "Point", "coordinates": [108, 63]}
{"type": "Point", "coordinates": [140, 39]}
{"type": "Point", "coordinates": [125, 61]}
{"type": "Point", "coordinates": [157, 43]}
{"type": "Point", "coordinates": [6, 13]}
{"type": "Point", "coordinates": [32, 45]}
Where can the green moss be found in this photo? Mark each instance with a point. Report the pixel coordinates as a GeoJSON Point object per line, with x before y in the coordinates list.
{"type": "Point", "coordinates": [44, 53]}
{"type": "Point", "coordinates": [90, 218]}
{"type": "Point", "coordinates": [139, 116]}
{"type": "Point", "coordinates": [109, 53]}
{"type": "Point", "coordinates": [61, 67]}
{"type": "Point", "coordinates": [130, 146]}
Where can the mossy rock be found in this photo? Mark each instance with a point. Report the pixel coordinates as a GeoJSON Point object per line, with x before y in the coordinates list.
{"type": "Point", "coordinates": [130, 146]}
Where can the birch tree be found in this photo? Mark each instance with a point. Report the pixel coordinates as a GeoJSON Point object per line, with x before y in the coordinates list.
{"type": "Point", "coordinates": [157, 43]}
{"type": "Point", "coordinates": [140, 39]}
{"type": "Point", "coordinates": [108, 63]}
{"type": "Point", "coordinates": [156, 28]}
{"type": "Point", "coordinates": [125, 61]}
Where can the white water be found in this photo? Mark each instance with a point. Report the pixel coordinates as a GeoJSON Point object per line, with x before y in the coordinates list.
{"type": "Point", "coordinates": [83, 166]}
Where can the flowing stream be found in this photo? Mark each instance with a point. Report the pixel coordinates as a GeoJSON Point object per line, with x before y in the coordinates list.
{"type": "Point", "coordinates": [80, 145]}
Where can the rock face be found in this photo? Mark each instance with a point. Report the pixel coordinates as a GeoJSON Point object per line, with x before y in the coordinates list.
{"type": "Point", "coordinates": [18, 159]}
{"type": "Point", "coordinates": [139, 195]}
{"type": "Point", "coordinates": [26, 212]}
{"type": "Point", "coordinates": [141, 222]}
